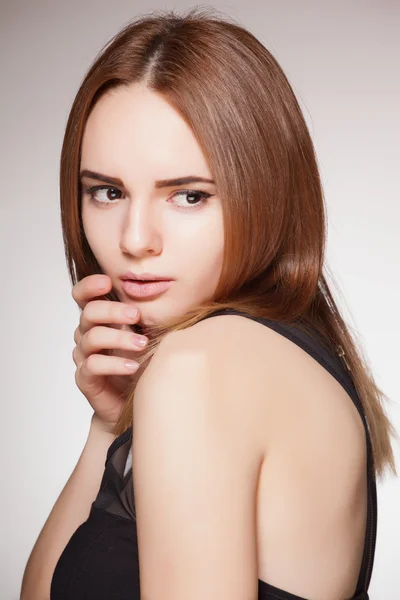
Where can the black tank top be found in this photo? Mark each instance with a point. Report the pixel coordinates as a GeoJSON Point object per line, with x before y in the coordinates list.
{"type": "Point", "coordinates": [100, 561]}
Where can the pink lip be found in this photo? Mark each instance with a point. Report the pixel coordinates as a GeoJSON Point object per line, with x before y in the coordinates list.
{"type": "Point", "coordinates": [145, 289]}
{"type": "Point", "coordinates": [143, 277]}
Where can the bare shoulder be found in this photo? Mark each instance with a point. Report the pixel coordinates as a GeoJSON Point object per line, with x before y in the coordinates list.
{"type": "Point", "coordinates": [288, 409]}
{"type": "Point", "coordinates": [271, 384]}
{"type": "Point", "coordinates": [224, 350]}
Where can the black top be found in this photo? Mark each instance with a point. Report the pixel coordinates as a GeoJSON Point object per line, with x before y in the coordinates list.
{"type": "Point", "coordinates": [100, 561]}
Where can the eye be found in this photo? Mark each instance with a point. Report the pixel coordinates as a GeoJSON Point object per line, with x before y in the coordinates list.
{"type": "Point", "coordinates": [91, 191]}
{"type": "Point", "coordinates": [197, 199]}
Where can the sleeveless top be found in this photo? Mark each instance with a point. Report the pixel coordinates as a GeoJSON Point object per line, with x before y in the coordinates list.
{"type": "Point", "coordinates": [100, 561]}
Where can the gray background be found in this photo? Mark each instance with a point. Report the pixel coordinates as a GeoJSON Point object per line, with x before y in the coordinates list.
{"type": "Point", "coordinates": [342, 59]}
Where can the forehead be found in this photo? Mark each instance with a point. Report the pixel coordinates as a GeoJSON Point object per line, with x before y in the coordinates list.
{"type": "Point", "coordinates": [135, 130]}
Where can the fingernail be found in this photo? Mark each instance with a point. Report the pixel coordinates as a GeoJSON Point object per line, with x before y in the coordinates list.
{"type": "Point", "coordinates": [131, 366]}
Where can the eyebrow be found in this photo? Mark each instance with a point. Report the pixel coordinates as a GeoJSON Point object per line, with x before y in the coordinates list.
{"type": "Point", "coordinates": [161, 183]}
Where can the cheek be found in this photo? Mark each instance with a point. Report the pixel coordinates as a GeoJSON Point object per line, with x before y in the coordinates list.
{"type": "Point", "coordinates": [210, 255]}
{"type": "Point", "coordinates": [216, 238]}
{"type": "Point", "coordinates": [98, 230]}
{"type": "Point", "coordinates": [89, 225]}
{"type": "Point", "coordinates": [213, 243]}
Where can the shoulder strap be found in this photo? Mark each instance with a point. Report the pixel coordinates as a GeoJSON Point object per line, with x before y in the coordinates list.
{"type": "Point", "coordinates": [117, 442]}
{"type": "Point", "coordinates": [336, 368]}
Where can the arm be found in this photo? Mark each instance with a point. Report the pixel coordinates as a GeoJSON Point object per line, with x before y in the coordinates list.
{"type": "Point", "coordinates": [70, 510]}
{"type": "Point", "coordinates": [196, 464]}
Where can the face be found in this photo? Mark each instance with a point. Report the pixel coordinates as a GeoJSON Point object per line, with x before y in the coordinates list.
{"type": "Point", "coordinates": [171, 230]}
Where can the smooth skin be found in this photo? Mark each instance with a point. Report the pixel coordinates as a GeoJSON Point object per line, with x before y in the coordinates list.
{"type": "Point", "coordinates": [148, 221]}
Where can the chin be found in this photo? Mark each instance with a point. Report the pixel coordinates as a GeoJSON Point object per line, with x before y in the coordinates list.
{"type": "Point", "coordinates": [156, 316]}
{"type": "Point", "coordinates": [148, 320]}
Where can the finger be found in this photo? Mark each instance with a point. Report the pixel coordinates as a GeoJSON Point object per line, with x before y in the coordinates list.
{"type": "Point", "coordinates": [77, 356]}
{"type": "Point", "coordinates": [77, 335]}
{"type": "Point", "coordinates": [90, 287]}
{"type": "Point", "coordinates": [100, 338]}
{"type": "Point", "coordinates": [97, 365]}
{"type": "Point", "coordinates": [107, 312]}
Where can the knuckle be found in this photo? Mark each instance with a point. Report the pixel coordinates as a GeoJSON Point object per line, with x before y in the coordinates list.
{"type": "Point", "coordinates": [87, 316]}
{"type": "Point", "coordinates": [77, 335]}
{"type": "Point", "coordinates": [122, 338]}
{"type": "Point", "coordinates": [82, 320]}
{"type": "Point", "coordinates": [86, 311]}
{"type": "Point", "coordinates": [90, 363]}
{"type": "Point", "coordinates": [78, 379]}
{"type": "Point", "coordinates": [90, 308]}
{"type": "Point", "coordinates": [77, 356]}
{"type": "Point", "coordinates": [91, 337]}
{"type": "Point", "coordinates": [75, 290]}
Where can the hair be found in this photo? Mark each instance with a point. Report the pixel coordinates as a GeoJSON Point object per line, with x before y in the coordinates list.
{"type": "Point", "coordinates": [244, 114]}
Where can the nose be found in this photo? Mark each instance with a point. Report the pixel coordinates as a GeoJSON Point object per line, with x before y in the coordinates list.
{"type": "Point", "coordinates": [140, 234]}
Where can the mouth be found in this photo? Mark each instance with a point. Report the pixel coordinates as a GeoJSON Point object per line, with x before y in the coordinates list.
{"type": "Point", "coordinates": [136, 288]}
{"type": "Point", "coordinates": [131, 276]}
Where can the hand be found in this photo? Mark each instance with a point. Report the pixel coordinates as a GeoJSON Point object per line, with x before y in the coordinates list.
{"type": "Point", "coordinates": [100, 374]}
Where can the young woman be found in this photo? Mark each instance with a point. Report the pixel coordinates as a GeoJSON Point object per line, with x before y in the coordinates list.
{"type": "Point", "coordinates": [238, 458]}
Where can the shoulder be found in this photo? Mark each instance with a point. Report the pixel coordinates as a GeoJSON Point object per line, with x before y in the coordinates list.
{"type": "Point", "coordinates": [227, 336]}
{"type": "Point", "coordinates": [226, 362]}
{"type": "Point", "coordinates": [266, 384]}
{"type": "Point", "coordinates": [195, 451]}
{"type": "Point", "coordinates": [210, 365]}
{"type": "Point", "coordinates": [224, 348]}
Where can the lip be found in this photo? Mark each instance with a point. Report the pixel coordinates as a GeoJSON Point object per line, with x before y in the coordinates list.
{"type": "Point", "coordinates": [143, 277]}
{"type": "Point", "coordinates": [145, 289]}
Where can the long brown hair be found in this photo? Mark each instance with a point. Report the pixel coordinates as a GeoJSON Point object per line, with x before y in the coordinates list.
{"type": "Point", "coordinates": [245, 116]}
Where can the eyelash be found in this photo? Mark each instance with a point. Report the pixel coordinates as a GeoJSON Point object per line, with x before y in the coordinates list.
{"type": "Point", "coordinates": [90, 191]}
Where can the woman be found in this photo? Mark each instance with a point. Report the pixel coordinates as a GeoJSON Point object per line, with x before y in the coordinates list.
{"type": "Point", "coordinates": [258, 429]}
